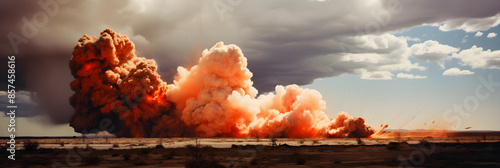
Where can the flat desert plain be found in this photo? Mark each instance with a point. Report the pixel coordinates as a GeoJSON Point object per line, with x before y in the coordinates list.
{"type": "Point", "coordinates": [455, 150]}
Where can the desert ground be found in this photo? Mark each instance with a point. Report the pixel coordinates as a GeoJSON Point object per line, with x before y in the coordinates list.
{"type": "Point", "coordinates": [455, 150]}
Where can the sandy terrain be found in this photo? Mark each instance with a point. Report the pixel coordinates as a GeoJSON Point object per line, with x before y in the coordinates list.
{"type": "Point", "coordinates": [466, 151]}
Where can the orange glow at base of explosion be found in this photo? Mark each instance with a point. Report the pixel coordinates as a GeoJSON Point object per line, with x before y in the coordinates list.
{"type": "Point", "coordinates": [155, 97]}
{"type": "Point", "coordinates": [213, 98]}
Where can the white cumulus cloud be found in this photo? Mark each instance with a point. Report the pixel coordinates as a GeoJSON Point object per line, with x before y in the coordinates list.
{"type": "Point", "coordinates": [410, 76]}
{"type": "Point", "coordinates": [376, 75]}
{"type": "Point", "coordinates": [476, 57]}
{"type": "Point", "coordinates": [491, 35]}
{"type": "Point", "coordinates": [456, 71]}
{"type": "Point", "coordinates": [479, 34]}
{"type": "Point", "coordinates": [415, 39]}
{"type": "Point", "coordinates": [432, 51]}
{"type": "Point", "coordinates": [376, 56]}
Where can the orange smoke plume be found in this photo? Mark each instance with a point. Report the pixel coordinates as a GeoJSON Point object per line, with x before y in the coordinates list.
{"type": "Point", "coordinates": [214, 98]}
{"type": "Point", "coordinates": [112, 83]}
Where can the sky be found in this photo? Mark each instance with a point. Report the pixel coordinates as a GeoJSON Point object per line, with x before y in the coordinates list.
{"type": "Point", "coordinates": [385, 60]}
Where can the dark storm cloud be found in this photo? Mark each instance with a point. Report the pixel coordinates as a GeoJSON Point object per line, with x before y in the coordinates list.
{"type": "Point", "coordinates": [285, 41]}
{"type": "Point", "coordinates": [27, 104]}
{"type": "Point", "coordinates": [287, 33]}
{"type": "Point", "coordinates": [42, 62]}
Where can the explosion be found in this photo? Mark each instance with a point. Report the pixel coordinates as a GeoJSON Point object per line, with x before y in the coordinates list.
{"type": "Point", "coordinates": [214, 98]}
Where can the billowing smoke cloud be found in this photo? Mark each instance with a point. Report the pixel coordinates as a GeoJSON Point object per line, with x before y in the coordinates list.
{"type": "Point", "coordinates": [216, 95]}
{"type": "Point", "coordinates": [214, 98]}
{"type": "Point", "coordinates": [298, 113]}
{"type": "Point", "coordinates": [113, 84]}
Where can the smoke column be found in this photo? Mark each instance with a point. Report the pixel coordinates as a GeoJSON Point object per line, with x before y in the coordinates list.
{"type": "Point", "coordinates": [214, 98]}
